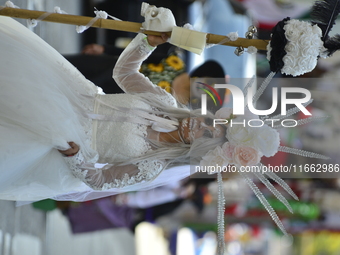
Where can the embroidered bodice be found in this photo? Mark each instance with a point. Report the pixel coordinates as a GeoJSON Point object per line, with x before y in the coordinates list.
{"type": "Point", "coordinates": [116, 135]}
{"type": "Point", "coordinates": [117, 140]}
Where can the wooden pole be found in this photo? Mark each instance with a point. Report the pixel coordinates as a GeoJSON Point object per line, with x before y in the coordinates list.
{"type": "Point", "coordinates": [119, 25]}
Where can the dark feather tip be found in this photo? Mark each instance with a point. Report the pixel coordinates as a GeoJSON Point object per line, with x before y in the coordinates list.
{"type": "Point", "coordinates": [324, 13]}
{"type": "Point", "coordinates": [332, 44]}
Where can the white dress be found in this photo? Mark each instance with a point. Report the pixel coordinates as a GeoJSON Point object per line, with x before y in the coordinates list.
{"type": "Point", "coordinates": [45, 102]}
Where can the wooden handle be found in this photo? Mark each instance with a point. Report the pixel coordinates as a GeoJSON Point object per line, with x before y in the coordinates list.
{"type": "Point", "coordinates": [120, 25]}
{"type": "Point", "coordinates": [245, 43]}
{"type": "Point", "coordinates": [77, 20]}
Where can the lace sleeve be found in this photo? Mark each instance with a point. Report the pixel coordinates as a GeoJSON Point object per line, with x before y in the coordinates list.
{"type": "Point", "coordinates": [110, 176]}
{"type": "Point", "coordinates": [126, 71]}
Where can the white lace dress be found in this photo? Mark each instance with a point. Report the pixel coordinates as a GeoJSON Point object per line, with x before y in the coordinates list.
{"type": "Point", "coordinates": [45, 102]}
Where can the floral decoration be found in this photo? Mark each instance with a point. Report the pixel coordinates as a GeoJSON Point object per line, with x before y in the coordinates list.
{"type": "Point", "coordinates": [165, 72]}
{"type": "Point", "coordinates": [175, 62]}
{"type": "Point", "coordinates": [246, 145]}
{"type": "Point", "coordinates": [156, 67]}
{"type": "Point", "coordinates": [165, 85]}
{"type": "Point", "coordinates": [303, 46]}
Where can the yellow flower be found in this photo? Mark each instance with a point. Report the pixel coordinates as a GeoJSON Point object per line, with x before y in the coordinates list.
{"type": "Point", "coordinates": [156, 67]}
{"type": "Point", "coordinates": [175, 62]}
{"type": "Point", "coordinates": [165, 85]}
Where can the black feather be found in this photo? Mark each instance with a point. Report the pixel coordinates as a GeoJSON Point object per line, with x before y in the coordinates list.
{"type": "Point", "coordinates": [332, 44]}
{"type": "Point", "coordinates": [278, 43]}
{"type": "Point", "coordinates": [324, 14]}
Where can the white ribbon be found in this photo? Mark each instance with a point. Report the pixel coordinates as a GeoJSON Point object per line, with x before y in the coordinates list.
{"type": "Point", "coordinates": [8, 4]}
{"type": "Point", "coordinates": [99, 15]}
{"type": "Point", "coordinates": [34, 22]}
{"type": "Point", "coordinates": [11, 5]}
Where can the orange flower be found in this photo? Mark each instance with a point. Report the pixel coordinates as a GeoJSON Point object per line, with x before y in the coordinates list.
{"type": "Point", "coordinates": [175, 62]}
{"type": "Point", "coordinates": [165, 85]}
{"type": "Point", "coordinates": [156, 67]}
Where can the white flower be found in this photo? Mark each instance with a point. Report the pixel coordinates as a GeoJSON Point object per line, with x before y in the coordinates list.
{"type": "Point", "coordinates": [248, 115]}
{"type": "Point", "coordinates": [228, 152]}
{"type": "Point", "coordinates": [292, 34]}
{"type": "Point", "coordinates": [189, 26]}
{"type": "Point", "coordinates": [233, 36]}
{"type": "Point", "coordinates": [246, 156]}
{"type": "Point", "coordinates": [303, 47]}
{"type": "Point", "coordinates": [241, 135]}
{"type": "Point", "coordinates": [214, 158]}
{"type": "Point", "coordinates": [267, 140]}
{"type": "Point", "coordinates": [269, 50]}
{"type": "Point", "coordinates": [224, 113]}
{"type": "Point", "coordinates": [252, 50]}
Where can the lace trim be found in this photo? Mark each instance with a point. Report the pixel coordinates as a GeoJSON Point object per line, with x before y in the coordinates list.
{"type": "Point", "coordinates": [148, 170]}
{"type": "Point", "coordinates": [144, 47]}
{"type": "Point", "coordinates": [143, 131]}
{"type": "Point", "coordinates": [168, 99]}
{"type": "Point", "coordinates": [74, 163]}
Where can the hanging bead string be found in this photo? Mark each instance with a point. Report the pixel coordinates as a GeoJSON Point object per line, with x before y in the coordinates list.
{"type": "Point", "coordinates": [220, 216]}
{"type": "Point", "coordinates": [265, 203]}
{"type": "Point", "coordinates": [282, 183]}
{"type": "Point", "coordinates": [99, 15]}
{"type": "Point", "coordinates": [250, 84]}
{"type": "Point", "coordinates": [295, 123]}
{"type": "Point", "coordinates": [263, 86]}
{"type": "Point", "coordinates": [290, 112]}
{"type": "Point", "coordinates": [306, 154]}
{"type": "Point", "coordinates": [275, 192]}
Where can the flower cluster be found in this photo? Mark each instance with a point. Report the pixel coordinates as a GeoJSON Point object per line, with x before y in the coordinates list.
{"type": "Point", "coordinates": [163, 73]}
{"type": "Point", "coordinates": [246, 145]}
{"type": "Point", "coordinates": [302, 49]}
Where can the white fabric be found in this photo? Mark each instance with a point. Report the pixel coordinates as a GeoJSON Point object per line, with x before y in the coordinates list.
{"type": "Point", "coordinates": [148, 198]}
{"type": "Point", "coordinates": [45, 103]}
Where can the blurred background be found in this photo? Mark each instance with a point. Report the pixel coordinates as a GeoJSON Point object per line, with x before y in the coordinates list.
{"type": "Point", "coordinates": [180, 219]}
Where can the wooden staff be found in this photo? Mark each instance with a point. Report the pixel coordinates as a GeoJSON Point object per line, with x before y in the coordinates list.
{"type": "Point", "coordinates": [120, 25]}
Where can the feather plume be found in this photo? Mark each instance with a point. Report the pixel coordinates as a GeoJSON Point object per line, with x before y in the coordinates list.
{"type": "Point", "coordinates": [324, 14]}
{"type": "Point", "coordinates": [332, 44]}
